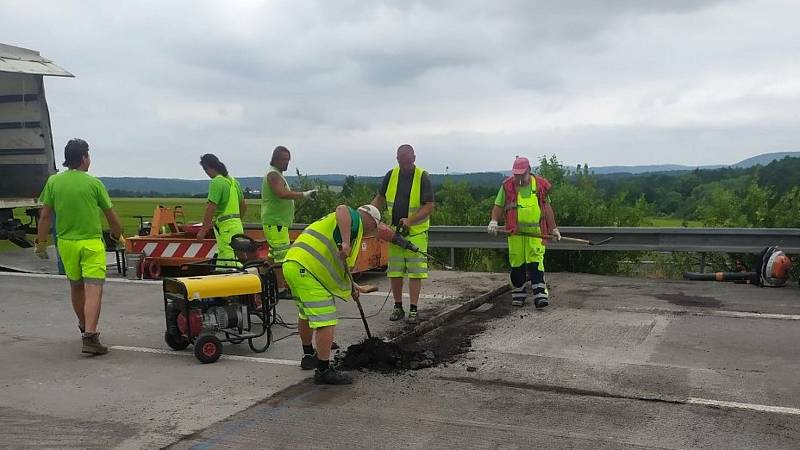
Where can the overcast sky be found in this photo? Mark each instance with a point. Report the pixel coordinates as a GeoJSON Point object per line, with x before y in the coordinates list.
{"type": "Point", "coordinates": [470, 84]}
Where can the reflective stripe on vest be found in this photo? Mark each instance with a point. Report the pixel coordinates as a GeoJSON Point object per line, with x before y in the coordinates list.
{"type": "Point", "coordinates": [231, 210]}
{"type": "Point", "coordinates": [316, 251]}
{"type": "Point", "coordinates": [414, 200]}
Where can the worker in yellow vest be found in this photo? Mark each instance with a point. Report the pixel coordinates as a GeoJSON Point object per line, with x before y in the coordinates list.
{"type": "Point", "coordinates": [317, 269]}
{"type": "Point", "coordinates": [407, 194]}
{"type": "Point", "coordinates": [224, 210]}
{"type": "Point", "coordinates": [523, 203]}
{"type": "Point", "coordinates": [277, 204]}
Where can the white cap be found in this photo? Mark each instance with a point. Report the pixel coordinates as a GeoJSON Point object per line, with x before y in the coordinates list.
{"type": "Point", "coordinates": [372, 211]}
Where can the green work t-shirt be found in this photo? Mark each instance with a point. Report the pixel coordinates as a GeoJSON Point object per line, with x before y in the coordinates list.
{"type": "Point", "coordinates": [524, 191]}
{"type": "Point", "coordinates": [275, 210]}
{"type": "Point", "coordinates": [219, 191]}
{"type": "Point", "coordinates": [355, 221]}
{"type": "Point", "coordinates": [77, 199]}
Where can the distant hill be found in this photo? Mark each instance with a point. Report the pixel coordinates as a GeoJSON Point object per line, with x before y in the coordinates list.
{"type": "Point", "coordinates": [607, 170]}
{"type": "Point", "coordinates": [195, 187]}
{"type": "Point", "coordinates": [764, 159]}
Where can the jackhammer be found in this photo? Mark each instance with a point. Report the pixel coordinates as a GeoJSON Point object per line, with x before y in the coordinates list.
{"type": "Point", "coordinates": [395, 237]}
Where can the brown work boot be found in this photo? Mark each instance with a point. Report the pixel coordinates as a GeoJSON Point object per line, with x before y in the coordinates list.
{"type": "Point", "coordinates": [92, 345]}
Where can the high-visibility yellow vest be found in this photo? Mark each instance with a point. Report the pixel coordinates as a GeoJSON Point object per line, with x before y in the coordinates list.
{"type": "Point", "coordinates": [414, 200]}
{"type": "Point", "coordinates": [316, 250]}
{"type": "Point", "coordinates": [528, 211]}
{"type": "Point", "coordinates": [231, 210]}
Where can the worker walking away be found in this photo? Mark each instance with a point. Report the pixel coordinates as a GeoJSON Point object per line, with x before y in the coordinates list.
{"type": "Point", "coordinates": [317, 269]}
{"type": "Point", "coordinates": [224, 210]}
{"type": "Point", "coordinates": [277, 204]}
{"type": "Point", "coordinates": [522, 202]}
{"type": "Point", "coordinates": [77, 198]}
{"type": "Point", "coordinates": [408, 197]}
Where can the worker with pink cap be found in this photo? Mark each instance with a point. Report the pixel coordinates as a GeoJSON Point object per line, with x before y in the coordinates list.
{"type": "Point", "coordinates": [522, 201]}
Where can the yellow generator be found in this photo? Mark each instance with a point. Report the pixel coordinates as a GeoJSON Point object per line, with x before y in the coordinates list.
{"type": "Point", "coordinates": [232, 307]}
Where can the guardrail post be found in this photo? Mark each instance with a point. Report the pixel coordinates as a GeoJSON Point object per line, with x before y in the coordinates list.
{"type": "Point", "coordinates": [452, 257]}
{"type": "Point", "coordinates": [702, 262]}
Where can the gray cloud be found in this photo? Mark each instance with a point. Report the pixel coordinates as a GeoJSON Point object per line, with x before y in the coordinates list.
{"type": "Point", "coordinates": [469, 83]}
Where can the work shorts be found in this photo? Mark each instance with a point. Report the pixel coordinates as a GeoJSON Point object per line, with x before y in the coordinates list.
{"type": "Point", "coordinates": [314, 303]}
{"type": "Point", "coordinates": [84, 260]}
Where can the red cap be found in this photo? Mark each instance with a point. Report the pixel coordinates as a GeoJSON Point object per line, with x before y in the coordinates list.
{"type": "Point", "coordinates": [521, 166]}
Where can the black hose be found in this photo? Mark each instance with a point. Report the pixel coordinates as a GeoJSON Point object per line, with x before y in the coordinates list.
{"type": "Point", "coordinates": [720, 276]}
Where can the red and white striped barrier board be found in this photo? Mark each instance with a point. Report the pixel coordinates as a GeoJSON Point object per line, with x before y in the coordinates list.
{"type": "Point", "coordinates": [189, 249]}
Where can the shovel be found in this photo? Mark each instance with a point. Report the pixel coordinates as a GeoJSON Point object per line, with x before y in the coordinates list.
{"type": "Point", "coordinates": [563, 238]}
{"type": "Point", "coordinates": [365, 289]}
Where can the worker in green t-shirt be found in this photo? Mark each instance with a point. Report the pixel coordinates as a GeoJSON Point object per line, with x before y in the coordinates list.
{"type": "Point", "coordinates": [77, 198]}
{"type": "Point", "coordinates": [277, 204]}
{"type": "Point", "coordinates": [224, 210]}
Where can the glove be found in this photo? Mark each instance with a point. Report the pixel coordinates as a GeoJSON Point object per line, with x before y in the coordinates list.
{"type": "Point", "coordinates": [492, 227]}
{"type": "Point", "coordinates": [121, 241]}
{"type": "Point", "coordinates": [311, 193]}
{"type": "Point", "coordinates": [556, 234]}
{"type": "Point", "coordinates": [40, 249]}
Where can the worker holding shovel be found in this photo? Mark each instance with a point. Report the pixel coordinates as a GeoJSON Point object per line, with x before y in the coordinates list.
{"type": "Point", "coordinates": [522, 202]}
{"type": "Point", "coordinates": [317, 269]}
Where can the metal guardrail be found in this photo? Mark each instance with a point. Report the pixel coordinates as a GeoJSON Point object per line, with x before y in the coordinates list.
{"type": "Point", "coordinates": [724, 240]}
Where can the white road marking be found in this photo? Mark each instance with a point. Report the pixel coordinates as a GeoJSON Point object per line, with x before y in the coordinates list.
{"type": "Point", "coordinates": [749, 315]}
{"type": "Point", "coordinates": [62, 277]}
{"type": "Point", "coordinates": [748, 406]}
{"type": "Point", "coordinates": [160, 351]}
{"type": "Point", "coordinates": [715, 313]}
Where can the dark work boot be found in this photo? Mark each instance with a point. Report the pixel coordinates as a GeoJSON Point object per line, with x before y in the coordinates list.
{"type": "Point", "coordinates": [92, 345]}
{"type": "Point", "coordinates": [309, 361]}
{"type": "Point", "coordinates": [332, 376]}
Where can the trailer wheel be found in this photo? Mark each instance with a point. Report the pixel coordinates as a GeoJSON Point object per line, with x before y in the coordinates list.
{"type": "Point", "coordinates": [207, 348]}
{"type": "Point", "coordinates": [154, 270]}
{"type": "Point", "coordinates": [176, 341]}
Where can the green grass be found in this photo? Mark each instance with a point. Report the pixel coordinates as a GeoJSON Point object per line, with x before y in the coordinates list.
{"type": "Point", "coordinates": [193, 209]}
{"type": "Point", "coordinates": [671, 222]}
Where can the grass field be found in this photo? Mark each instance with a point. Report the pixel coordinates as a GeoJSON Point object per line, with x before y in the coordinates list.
{"type": "Point", "coordinates": [193, 209]}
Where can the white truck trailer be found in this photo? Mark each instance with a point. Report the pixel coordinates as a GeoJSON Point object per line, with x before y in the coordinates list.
{"type": "Point", "coordinates": [26, 141]}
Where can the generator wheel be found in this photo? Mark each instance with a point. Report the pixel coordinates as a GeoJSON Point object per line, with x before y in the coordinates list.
{"type": "Point", "coordinates": [207, 348]}
{"type": "Point", "coordinates": [176, 341]}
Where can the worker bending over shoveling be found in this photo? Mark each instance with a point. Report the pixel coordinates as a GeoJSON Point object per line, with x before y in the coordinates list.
{"type": "Point", "coordinates": [317, 270]}
{"type": "Point", "coordinates": [408, 197]}
{"type": "Point", "coordinates": [224, 211]}
{"type": "Point", "coordinates": [522, 201]}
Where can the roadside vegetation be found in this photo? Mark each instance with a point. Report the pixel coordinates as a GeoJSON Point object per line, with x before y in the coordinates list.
{"type": "Point", "coordinates": [760, 196]}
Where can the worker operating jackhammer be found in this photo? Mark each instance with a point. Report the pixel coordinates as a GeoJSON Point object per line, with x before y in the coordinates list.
{"type": "Point", "coordinates": [522, 201]}
{"type": "Point", "coordinates": [408, 197]}
{"type": "Point", "coordinates": [317, 269]}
